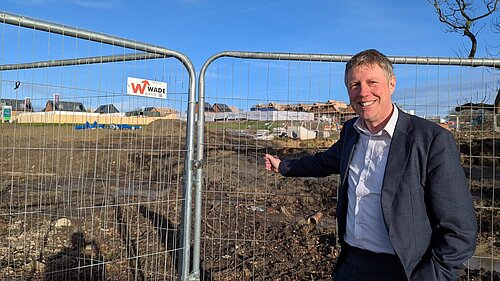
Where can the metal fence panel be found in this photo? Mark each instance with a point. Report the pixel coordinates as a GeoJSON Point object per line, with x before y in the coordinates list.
{"type": "Point", "coordinates": [93, 181]}
{"type": "Point", "coordinates": [255, 225]}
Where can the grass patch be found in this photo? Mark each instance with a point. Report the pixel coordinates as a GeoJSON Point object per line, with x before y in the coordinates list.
{"type": "Point", "coordinates": [243, 125]}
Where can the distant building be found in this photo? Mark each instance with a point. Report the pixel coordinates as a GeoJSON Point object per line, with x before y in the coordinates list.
{"type": "Point", "coordinates": [272, 106]}
{"type": "Point", "coordinates": [233, 108]}
{"type": "Point", "coordinates": [330, 107]}
{"type": "Point", "coordinates": [18, 105]}
{"type": "Point", "coordinates": [221, 107]}
{"type": "Point", "coordinates": [146, 112]}
{"type": "Point", "coordinates": [347, 114]}
{"type": "Point", "coordinates": [106, 109]}
{"type": "Point", "coordinates": [206, 107]}
{"type": "Point", "coordinates": [164, 111]}
{"type": "Point", "coordinates": [337, 111]}
{"type": "Point", "coordinates": [64, 106]}
{"type": "Point", "coordinates": [300, 107]}
{"type": "Point", "coordinates": [152, 112]}
{"type": "Point", "coordinates": [259, 116]}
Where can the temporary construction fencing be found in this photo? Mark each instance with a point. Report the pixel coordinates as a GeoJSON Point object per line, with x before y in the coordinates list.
{"type": "Point", "coordinates": [87, 194]}
{"type": "Point", "coordinates": [251, 224]}
{"type": "Point", "coordinates": [96, 178]}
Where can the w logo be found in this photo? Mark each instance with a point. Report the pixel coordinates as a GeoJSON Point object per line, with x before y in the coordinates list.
{"type": "Point", "coordinates": [140, 87]}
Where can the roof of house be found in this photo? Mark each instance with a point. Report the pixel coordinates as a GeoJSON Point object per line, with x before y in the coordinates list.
{"type": "Point", "coordinates": [164, 111]}
{"type": "Point", "coordinates": [18, 105]}
{"type": "Point", "coordinates": [149, 108]}
{"type": "Point", "coordinates": [221, 107]}
{"type": "Point", "coordinates": [66, 106]}
{"type": "Point", "coordinates": [233, 108]}
{"type": "Point", "coordinates": [207, 107]}
{"type": "Point", "coordinates": [106, 108]}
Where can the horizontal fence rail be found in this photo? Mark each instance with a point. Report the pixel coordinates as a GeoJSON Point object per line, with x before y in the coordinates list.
{"type": "Point", "coordinates": [80, 61]}
{"type": "Point", "coordinates": [487, 62]}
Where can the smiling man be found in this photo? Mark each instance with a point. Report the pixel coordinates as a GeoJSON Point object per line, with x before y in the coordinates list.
{"type": "Point", "coordinates": [404, 208]}
{"type": "Point", "coordinates": [370, 87]}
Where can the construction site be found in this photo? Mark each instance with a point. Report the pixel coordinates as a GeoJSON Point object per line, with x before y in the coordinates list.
{"type": "Point", "coordinates": [104, 182]}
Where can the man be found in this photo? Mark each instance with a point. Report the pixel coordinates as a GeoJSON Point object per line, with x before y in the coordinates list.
{"type": "Point", "coordinates": [404, 208]}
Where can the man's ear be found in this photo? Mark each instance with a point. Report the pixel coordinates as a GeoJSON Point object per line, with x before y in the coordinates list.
{"type": "Point", "coordinates": [392, 84]}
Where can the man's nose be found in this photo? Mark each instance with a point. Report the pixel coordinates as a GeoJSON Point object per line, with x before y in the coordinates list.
{"type": "Point", "coordinates": [364, 90]}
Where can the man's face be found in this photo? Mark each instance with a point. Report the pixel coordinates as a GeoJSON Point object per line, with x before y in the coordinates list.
{"type": "Point", "coordinates": [370, 94]}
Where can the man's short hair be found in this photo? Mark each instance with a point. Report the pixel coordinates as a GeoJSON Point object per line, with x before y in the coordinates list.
{"type": "Point", "coordinates": [370, 57]}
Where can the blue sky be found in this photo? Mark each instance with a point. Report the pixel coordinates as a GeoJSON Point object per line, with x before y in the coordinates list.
{"type": "Point", "coordinates": [201, 28]}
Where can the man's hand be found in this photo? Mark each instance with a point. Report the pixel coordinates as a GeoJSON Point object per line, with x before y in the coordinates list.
{"type": "Point", "coordinates": [272, 163]}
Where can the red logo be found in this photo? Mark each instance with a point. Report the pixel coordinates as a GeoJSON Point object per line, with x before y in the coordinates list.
{"type": "Point", "coordinates": [139, 87]}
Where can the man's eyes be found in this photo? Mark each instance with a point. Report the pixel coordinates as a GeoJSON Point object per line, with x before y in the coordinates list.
{"type": "Point", "coordinates": [357, 85]}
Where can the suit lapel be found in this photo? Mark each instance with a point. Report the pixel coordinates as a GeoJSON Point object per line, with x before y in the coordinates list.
{"type": "Point", "coordinates": [350, 139]}
{"type": "Point", "coordinates": [399, 153]}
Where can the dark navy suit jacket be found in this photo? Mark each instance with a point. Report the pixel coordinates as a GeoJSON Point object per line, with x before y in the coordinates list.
{"type": "Point", "coordinates": [426, 203]}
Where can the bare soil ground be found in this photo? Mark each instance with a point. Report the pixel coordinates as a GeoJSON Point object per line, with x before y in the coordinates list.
{"type": "Point", "coordinates": [106, 205]}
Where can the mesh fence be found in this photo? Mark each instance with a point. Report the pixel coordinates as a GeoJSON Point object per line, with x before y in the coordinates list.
{"type": "Point", "coordinates": [91, 184]}
{"type": "Point", "coordinates": [93, 181]}
{"type": "Point", "coordinates": [257, 225]}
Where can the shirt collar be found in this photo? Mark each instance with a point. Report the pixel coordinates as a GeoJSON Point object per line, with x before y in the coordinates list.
{"type": "Point", "coordinates": [389, 128]}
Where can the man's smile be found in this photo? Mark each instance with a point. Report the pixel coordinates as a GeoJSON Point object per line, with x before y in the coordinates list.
{"type": "Point", "coordinates": [368, 103]}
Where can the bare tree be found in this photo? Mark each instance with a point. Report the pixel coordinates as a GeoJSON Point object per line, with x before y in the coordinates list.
{"type": "Point", "coordinates": [461, 16]}
{"type": "Point", "coordinates": [493, 50]}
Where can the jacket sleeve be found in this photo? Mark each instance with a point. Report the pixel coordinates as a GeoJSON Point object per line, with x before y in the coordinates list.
{"type": "Point", "coordinates": [450, 210]}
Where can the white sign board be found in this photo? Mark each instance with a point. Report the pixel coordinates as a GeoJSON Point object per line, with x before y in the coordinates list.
{"type": "Point", "coordinates": [146, 88]}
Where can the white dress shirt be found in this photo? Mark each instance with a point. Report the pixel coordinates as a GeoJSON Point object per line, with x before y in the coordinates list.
{"type": "Point", "coordinates": [365, 222]}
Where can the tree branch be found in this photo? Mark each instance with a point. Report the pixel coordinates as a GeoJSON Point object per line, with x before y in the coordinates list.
{"type": "Point", "coordinates": [459, 16]}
